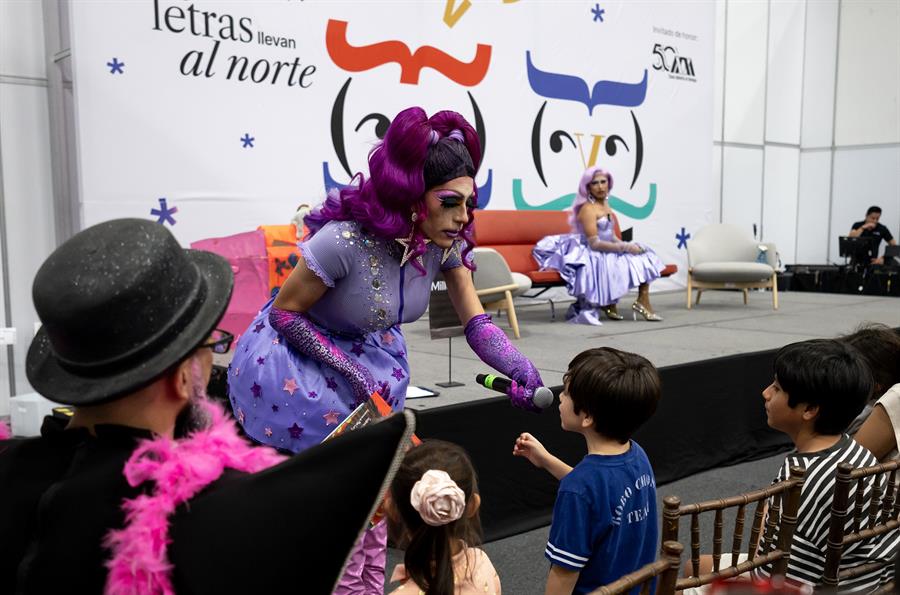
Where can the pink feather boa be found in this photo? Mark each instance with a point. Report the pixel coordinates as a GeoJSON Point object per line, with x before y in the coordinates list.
{"type": "Point", "coordinates": [180, 469]}
{"type": "Point", "coordinates": [5, 434]}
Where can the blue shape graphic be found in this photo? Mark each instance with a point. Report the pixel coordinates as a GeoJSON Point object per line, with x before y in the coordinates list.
{"type": "Point", "coordinates": [115, 66]}
{"type": "Point", "coordinates": [573, 88]}
{"type": "Point", "coordinates": [248, 140]}
{"type": "Point", "coordinates": [484, 192]}
{"type": "Point", "coordinates": [682, 238]}
{"type": "Point", "coordinates": [330, 183]}
{"type": "Point", "coordinates": [164, 213]}
{"type": "Point", "coordinates": [598, 13]}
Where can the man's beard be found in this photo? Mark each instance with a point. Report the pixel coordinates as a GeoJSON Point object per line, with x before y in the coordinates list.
{"type": "Point", "coordinates": [194, 416]}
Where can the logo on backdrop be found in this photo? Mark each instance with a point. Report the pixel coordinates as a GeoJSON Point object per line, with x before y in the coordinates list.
{"type": "Point", "coordinates": [364, 58]}
{"type": "Point", "coordinates": [586, 145]}
{"type": "Point", "coordinates": [222, 27]}
{"type": "Point", "coordinates": [667, 59]}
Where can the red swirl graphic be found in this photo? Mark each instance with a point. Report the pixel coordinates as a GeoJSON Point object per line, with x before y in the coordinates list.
{"type": "Point", "coordinates": [361, 58]}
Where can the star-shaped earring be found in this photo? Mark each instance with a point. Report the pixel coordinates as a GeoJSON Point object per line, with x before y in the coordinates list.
{"type": "Point", "coordinates": [454, 248]}
{"type": "Point", "coordinates": [407, 244]}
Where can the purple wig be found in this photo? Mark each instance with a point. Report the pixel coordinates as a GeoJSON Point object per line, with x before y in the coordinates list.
{"type": "Point", "coordinates": [384, 203]}
{"type": "Point", "coordinates": [584, 194]}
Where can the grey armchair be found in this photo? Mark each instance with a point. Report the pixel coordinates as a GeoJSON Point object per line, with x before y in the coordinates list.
{"type": "Point", "coordinates": [723, 256]}
{"type": "Point", "coordinates": [496, 285]}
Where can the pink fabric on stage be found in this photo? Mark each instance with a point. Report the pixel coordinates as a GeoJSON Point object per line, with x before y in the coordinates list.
{"type": "Point", "coordinates": [364, 574]}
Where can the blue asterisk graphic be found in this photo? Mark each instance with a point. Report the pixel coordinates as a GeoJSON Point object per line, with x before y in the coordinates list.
{"type": "Point", "coordinates": [598, 13]}
{"type": "Point", "coordinates": [115, 66]}
{"type": "Point", "coordinates": [682, 238]}
{"type": "Point", "coordinates": [164, 213]}
{"type": "Point", "coordinates": [248, 140]}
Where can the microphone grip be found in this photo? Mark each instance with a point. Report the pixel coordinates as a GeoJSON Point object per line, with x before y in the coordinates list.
{"type": "Point", "coordinates": [542, 396]}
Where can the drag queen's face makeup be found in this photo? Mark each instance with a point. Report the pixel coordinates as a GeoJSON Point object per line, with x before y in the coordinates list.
{"type": "Point", "coordinates": [447, 206]}
{"type": "Point", "coordinates": [599, 187]}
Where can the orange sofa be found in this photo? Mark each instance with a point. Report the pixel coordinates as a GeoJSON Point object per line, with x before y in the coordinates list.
{"type": "Point", "coordinates": [514, 234]}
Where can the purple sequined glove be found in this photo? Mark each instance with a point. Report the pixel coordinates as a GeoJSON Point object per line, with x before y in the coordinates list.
{"type": "Point", "coordinates": [306, 338]}
{"type": "Point", "coordinates": [493, 347]}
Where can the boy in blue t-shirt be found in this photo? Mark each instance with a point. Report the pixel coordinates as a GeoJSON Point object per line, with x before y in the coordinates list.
{"type": "Point", "coordinates": [604, 521]}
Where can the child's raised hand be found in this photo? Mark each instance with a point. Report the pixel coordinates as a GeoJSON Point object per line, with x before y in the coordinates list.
{"type": "Point", "coordinates": [531, 448]}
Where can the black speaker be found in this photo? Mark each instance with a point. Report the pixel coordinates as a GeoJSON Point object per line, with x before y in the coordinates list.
{"type": "Point", "coordinates": [784, 281]}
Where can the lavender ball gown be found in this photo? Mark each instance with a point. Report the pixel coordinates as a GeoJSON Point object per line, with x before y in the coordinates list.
{"type": "Point", "coordinates": [593, 277]}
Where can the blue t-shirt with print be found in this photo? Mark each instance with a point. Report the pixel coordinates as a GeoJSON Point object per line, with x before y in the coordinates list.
{"type": "Point", "coordinates": [604, 521]}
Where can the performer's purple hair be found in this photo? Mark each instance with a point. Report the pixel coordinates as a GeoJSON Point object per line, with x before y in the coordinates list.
{"type": "Point", "coordinates": [584, 193]}
{"type": "Point", "coordinates": [384, 203]}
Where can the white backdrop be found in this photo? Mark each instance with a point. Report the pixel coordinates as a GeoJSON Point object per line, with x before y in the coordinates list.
{"type": "Point", "coordinates": [166, 90]}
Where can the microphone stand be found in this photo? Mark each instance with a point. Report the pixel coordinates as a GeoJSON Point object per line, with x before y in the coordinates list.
{"type": "Point", "coordinates": [450, 382]}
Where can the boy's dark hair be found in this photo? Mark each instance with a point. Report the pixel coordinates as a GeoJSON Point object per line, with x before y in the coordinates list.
{"type": "Point", "coordinates": [873, 209]}
{"type": "Point", "coordinates": [428, 552]}
{"type": "Point", "coordinates": [879, 346]}
{"type": "Point", "coordinates": [826, 373]}
{"type": "Point", "coordinates": [619, 390]}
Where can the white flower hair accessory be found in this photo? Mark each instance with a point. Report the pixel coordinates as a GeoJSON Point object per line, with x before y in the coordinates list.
{"type": "Point", "coordinates": [437, 498]}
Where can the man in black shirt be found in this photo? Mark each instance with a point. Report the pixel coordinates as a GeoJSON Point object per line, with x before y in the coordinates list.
{"type": "Point", "coordinates": [870, 227]}
{"type": "Point", "coordinates": [129, 328]}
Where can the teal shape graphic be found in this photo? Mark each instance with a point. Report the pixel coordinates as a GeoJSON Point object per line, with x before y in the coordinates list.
{"type": "Point", "coordinates": [565, 201]}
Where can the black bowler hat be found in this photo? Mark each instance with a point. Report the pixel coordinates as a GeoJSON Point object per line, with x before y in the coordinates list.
{"type": "Point", "coordinates": [121, 302]}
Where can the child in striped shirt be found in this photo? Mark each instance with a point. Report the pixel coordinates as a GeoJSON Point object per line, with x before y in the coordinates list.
{"type": "Point", "coordinates": [819, 388]}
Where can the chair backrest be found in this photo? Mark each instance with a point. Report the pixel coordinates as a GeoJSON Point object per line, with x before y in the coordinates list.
{"type": "Point", "coordinates": [721, 242]}
{"type": "Point", "coordinates": [491, 271]}
{"type": "Point", "coordinates": [666, 568]}
{"type": "Point", "coordinates": [246, 253]}
{"type": "Point", "coordinates": [781, 519]}
{"type": "Point", "coordinates": [881, 516]}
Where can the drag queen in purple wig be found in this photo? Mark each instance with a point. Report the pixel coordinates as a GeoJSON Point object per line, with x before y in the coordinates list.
{"type": "Point", "coordinates": [332, 336]}
{"type": "Point", "coordinates": [597, 266]}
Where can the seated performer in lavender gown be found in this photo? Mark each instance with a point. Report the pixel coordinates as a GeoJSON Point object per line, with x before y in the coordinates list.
{"type": "Point", "coordinates": [598, 267]}
{"type": "Point", "coordinates": [332, 336]}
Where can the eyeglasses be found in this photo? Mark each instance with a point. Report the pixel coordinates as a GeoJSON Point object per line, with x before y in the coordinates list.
{"type": "Point", "coordinates": [219, 341]}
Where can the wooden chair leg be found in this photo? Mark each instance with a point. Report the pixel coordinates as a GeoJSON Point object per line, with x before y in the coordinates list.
{"type": "Point", "coordinates": [672, 553]}
{"type": "Point", "coordinates": [689, 291]}
{"type": "Point", "coordinates": [511, 313]}
{"type": "Point", "coordinates": [699, 291]}
{"type": "Point", "coordinates": [745, 295]}
{"type": "Point", "coordinates": [774, 292]}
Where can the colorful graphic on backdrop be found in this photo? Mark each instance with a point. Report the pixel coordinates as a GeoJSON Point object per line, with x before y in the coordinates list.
{"type": "Point", "coordinates": [370, 57]}
{"type": "Point", "coordinates": [568, 87]}
{"type": "Point", "coordinates": [237, 112]}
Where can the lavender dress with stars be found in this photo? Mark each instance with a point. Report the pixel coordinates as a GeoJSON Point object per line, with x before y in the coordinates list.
{"type": "Point", "coordinates": [288, 400]}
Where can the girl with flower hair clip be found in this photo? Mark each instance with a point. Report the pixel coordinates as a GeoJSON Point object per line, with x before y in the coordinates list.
{"type": "Point", "coordinates": [432, 508]}
{"type": "Point", "coordinates": [331, 337]}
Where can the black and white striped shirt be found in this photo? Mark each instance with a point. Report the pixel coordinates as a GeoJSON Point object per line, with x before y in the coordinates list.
{"type": "Point", "coordinates": [807, 561]}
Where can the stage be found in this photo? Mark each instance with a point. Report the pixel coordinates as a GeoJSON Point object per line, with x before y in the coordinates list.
{"type": "Point", "coordinates": [721, 325]}
{"type": "Point", "coordinates": [714, 361]}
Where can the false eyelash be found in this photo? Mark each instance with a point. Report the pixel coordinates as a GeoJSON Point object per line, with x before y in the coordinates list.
{"type": "Point", "coordinates": [452, 203]}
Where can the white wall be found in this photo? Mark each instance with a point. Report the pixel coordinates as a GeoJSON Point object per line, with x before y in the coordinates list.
{"type": "Point", "coordinates": [807, 128]}
{"type": "Point", "coordinates": [26, 174]}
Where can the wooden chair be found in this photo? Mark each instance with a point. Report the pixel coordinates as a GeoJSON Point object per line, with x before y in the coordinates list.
{"type": "Point", "coordinates": [495, 285]}
{"type": "Point", "coordinates": [782, 514]}
{"type": "Point", "coordinates": [882, 517]}
{"type": "Point", "coordinates": [666, 568]}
